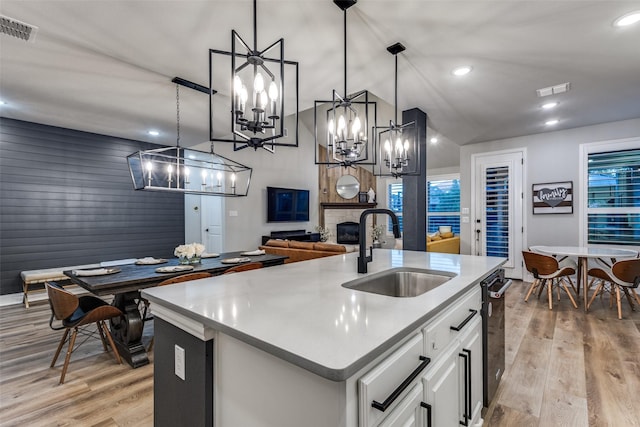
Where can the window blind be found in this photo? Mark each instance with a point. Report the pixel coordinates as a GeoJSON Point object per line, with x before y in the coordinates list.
{"type": "Point", "coordinates": [613, 205]}
{"type": "Point", "coordinates": [497, 211]}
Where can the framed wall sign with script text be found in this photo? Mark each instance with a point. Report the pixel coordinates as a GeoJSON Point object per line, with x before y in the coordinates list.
{"type": "Point", "coordinates": [553, 198]}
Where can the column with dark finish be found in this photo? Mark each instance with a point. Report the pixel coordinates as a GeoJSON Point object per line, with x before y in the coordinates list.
{"type": "Point", "coordinates": [414, 190]}
{"type": "Point", "coordinates": [178, 402]}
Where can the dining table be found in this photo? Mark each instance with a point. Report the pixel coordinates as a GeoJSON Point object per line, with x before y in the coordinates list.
{"type": "Point", "coordinates": [583, 254]}
{"type": "Point", "coordinates": [124, 282]}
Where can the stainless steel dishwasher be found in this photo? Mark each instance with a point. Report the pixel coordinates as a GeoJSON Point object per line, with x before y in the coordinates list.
{"type": "Point", "coordinates": [494, 288]}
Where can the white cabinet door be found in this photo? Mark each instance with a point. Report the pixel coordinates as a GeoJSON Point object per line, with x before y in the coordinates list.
{"type": "Point", "coordinates": [409, 412]}
{"type": "Point", "coordinates": [441, 387]}
{"type": "Point", "coordinates": [471, 385]}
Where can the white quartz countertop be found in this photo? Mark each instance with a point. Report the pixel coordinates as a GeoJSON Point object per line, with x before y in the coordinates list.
{"type": "Point", "coordinates": [301, 313]}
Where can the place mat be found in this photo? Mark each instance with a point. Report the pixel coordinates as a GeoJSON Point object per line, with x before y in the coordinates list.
{"type": "Point", "coordinates": [174, 268]}
{"type": "Point", "coordinates": [235, 260]}
{"type": "Point", "coordinates": [95, 272]}
{"type": "Point", "coordinates": [211, 255]}
{"type": "Point", "coordinates": [150, 261]}
{"type": "Point", "coordinates": [253, 253]}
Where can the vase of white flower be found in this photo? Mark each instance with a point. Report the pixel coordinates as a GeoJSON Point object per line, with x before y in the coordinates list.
{"type": "Point", "coordinates": [324, 233]}
{"type": "Point", "coordinates": [190, 253]}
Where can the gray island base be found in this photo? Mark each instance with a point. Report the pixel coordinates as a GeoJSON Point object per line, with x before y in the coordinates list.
{"type": "Point", "coordinates": [289, 346]}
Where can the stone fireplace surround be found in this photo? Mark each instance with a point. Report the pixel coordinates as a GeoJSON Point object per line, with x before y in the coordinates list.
{"type": "Point", "coordinates": [334, 213]}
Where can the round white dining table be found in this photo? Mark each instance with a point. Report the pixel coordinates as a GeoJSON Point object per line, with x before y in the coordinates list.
{"type": "Point", "coordinates": [583, 253]}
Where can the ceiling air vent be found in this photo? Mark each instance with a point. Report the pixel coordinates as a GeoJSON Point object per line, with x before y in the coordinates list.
{"type": "Point", "coordinates": [553, 90]}
{"type": "Point", "coordinates": [14, 28]}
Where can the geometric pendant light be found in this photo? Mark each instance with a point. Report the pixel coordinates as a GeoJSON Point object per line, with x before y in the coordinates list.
{"type": "Point", "coordinates": [342, 125]}
{"type": "Point", "coordinates": [257, 93]}
{"type": "Point", "coordinates": [398, 148]}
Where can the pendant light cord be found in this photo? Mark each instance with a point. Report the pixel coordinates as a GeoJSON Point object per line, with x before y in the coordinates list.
{"type": "Point", "coordinates": [255, 26]}
{"type": "Point", "coordinates": [395, 106]}
{"type": "Point", "coordinates": [177, 115]}
{"type": "Point", "coordinates": [345, 54]}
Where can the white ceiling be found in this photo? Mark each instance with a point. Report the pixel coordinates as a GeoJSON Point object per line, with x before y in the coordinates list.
{"type": "Point", "coordinates": [106, 66]}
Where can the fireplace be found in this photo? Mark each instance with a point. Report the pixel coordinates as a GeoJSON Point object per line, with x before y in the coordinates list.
{"type": "Point", "coordinates": [347, 233]}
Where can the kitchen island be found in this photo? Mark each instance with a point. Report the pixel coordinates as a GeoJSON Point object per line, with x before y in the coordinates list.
{"type": "Point", "coordinates": [286, 346]}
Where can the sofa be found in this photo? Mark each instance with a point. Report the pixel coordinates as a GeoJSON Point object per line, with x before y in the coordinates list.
{"type": "Point", "coordinates": [302, 251]}
{"type": "Point", "coordinates": [443, 242]}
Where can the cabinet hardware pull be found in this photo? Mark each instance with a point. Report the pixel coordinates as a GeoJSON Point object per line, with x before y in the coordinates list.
{"type": "Point", "coordinates": [466, 354]}
{"type": "Point", "coordinates": [469, 409]}
{"type": "Point", "coordinates": [465, 321]}
{"type": "Point", "coordinates": [398, 391]}
{"type": "Point", "coordinates": [428, 407]}
{"type": "Point", "coordinates": [467, 404]}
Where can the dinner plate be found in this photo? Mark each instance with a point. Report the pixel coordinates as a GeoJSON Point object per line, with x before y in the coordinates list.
{"type": "Point", "coordinates": [174, 268]}
{"type": "Point", "coordinates": [150, 261]}
{"type": "Point", "coordinates": [253, 253]}
{"type": "Point", "coordinates": [235, 260]}
{"type": "Point", "coordinates": [96, 272]}
{"type": "Point", "coordinates": [211, 255]}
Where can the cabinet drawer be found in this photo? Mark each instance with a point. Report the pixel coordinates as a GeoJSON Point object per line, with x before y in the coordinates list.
{"type": "Point", "coordinates": [381, 382]}
{"type": "Point", "coordinates": [438, 333]}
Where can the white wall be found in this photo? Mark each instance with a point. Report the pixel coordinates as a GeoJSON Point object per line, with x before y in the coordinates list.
{"type": "Point", "coordinates": [550, 157]}
{"type": "Point", "coordinates": [288, 167]}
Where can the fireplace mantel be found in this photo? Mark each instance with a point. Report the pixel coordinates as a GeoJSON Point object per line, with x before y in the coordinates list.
{"type": "Point", "coordinates": [347, 205]}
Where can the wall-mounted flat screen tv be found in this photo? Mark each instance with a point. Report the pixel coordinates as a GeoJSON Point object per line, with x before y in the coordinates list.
{"type": "Point", "coordinates": [287, 205]}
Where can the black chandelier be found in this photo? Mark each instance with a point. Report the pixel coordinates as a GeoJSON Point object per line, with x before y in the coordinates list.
{"type": "Point", "coordinates": [257, 93]}
{"type": "Point", "coordinates": [342, 124]}
{"type": "Point", "coordinates": [399, 151]}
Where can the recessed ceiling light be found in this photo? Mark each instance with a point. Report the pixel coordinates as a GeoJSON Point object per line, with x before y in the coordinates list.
{"type": "Point", "coordinates": [627, 19]}
{"type": "Point", "coordinates": [153, 133]}
{"type": "Point", "coordinates": [434, 140]}
{"type": "Point", "coordinates": [461, 71]}
{"type": "Point", "coordinates": [551, 122]}
{"type": "Point", "coordinates": [549, 105]}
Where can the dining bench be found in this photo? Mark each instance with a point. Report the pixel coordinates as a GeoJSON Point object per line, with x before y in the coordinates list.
{"type": "Point", "coordinates": [39, 277]}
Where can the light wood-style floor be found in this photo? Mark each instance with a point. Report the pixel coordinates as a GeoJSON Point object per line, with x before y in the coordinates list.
{"type": "Point", "coordinates": [564, 368]}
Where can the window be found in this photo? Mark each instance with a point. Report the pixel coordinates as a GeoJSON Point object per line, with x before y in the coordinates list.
{"type": "Point", "coordinates": [395, 204]}
{"type": "Point", "coordinates": [613, 197]}
{"type": "Point", "coordinates": [443, 202]}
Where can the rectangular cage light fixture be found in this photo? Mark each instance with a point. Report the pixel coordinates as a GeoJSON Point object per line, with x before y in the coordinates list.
{"type": "Point", "coordinates": [182, 170]}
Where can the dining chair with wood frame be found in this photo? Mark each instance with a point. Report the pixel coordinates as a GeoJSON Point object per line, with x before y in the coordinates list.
{"type": "Point", "coordinates": [75, 313]}
{"type": "Point", "coordinates": [622, 276]}
{"type": "Point", "coordinates": [546, 271]}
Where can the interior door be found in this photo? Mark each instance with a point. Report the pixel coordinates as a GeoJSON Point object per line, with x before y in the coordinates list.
{"type": "Point", "coordinates": [498, 224]}
{"type": "Point", "coordinates": [212, 221]}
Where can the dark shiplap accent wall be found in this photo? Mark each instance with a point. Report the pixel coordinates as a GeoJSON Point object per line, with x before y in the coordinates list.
{"type": "Point", "coordinates": [66, 198]}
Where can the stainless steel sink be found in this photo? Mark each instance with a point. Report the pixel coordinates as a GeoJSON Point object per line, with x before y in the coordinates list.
{"type": "Point", "coordinates": [401, 282]}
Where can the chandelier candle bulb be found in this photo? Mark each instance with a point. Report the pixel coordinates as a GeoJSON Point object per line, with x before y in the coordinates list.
{"type": "Point", "coordinates": [219, 176]}
{"type": "Point", "coordinates": [204, 178]}
{"type": "Point", "coordinates": [238, 89]}
{"type": "Point", "coordinates": [186, 175]}
{"type": "Point", "coordinates": [149, 167]}
{"type": "Point", "coordinates": [273, 95]}
{"type": "Point", "coordinates": [170, 172]}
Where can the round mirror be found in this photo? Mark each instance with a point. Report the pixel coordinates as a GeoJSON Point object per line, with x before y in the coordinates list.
{"type": "Point", "coordinates": [348, 186]}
